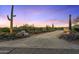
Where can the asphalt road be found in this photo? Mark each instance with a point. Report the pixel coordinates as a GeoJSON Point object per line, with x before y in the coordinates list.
{"type": "Point", "coordinates": [8, 50]}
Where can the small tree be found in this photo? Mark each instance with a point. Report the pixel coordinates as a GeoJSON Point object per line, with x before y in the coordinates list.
{"type": "Point", "coordinates": [48, 28]}
{"type": "Point", "coordinates": [52, 25]}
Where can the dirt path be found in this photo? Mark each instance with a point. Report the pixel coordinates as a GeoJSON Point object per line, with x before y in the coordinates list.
{"type": "Point", "coordinates": [45, 40]}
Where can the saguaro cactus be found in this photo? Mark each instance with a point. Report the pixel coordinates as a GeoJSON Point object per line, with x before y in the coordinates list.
{"type": "Point", "coordinates": [70, 23]}
{"type": "Point", "coordinates": [11, 19]}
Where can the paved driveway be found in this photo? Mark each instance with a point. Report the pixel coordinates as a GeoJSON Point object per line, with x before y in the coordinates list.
{"type": "Point", "coordinates": [45, 40]}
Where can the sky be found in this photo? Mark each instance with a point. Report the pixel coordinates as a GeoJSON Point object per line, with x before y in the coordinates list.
{"type": "Point", "coordinates": [39, 15]}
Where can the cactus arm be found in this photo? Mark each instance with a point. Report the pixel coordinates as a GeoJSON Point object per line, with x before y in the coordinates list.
{"type": "Point", "coordinates": [8, 18]}
{"type": "Point", "coordinates": [14, 15]}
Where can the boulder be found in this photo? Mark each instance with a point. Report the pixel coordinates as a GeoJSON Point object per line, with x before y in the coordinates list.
{"type": "Point", "coordinates": [22, 33]}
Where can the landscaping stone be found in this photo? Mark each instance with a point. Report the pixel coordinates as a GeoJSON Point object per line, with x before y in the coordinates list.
{"type": "Point", "coordinates": [69, 37]}
{"type": "Point", "coordinates": [23, 33]}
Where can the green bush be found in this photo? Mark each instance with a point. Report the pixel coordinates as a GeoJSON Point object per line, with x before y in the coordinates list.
{"type": "Point", "coordinates": [4, 29]}
{"type": "Point", "coordinates": [76, 28]}
{"type": "Point", "coordinates": [32, 29]}
{"type": "Point", "coordinates": [5, 33]}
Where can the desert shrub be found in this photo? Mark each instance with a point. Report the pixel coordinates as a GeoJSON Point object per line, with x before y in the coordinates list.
{"type": "Point", "coordinates": [4, 29]}
{"type": "Point", "coordinates": [7, 36]}
{"type": "Point", "coordinates": [59, 28]}
{"type": "Point", "coordinates": [36, 30]}
{"type": "Point", "coordinates": [76, 28]}
{"type": "Point", "coordinates": [5, 33]}
{"type": "Point", "coordinates": [16, 30]}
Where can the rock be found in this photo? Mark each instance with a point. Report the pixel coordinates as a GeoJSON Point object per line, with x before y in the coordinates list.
{"type": "Point", "coordinates": [23, 33]}
{"type": "Point", "coordinates": [26, 34]}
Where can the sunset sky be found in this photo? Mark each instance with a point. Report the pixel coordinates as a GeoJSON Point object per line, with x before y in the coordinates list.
{"type": "Point", "coordinates": [39, 15]}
